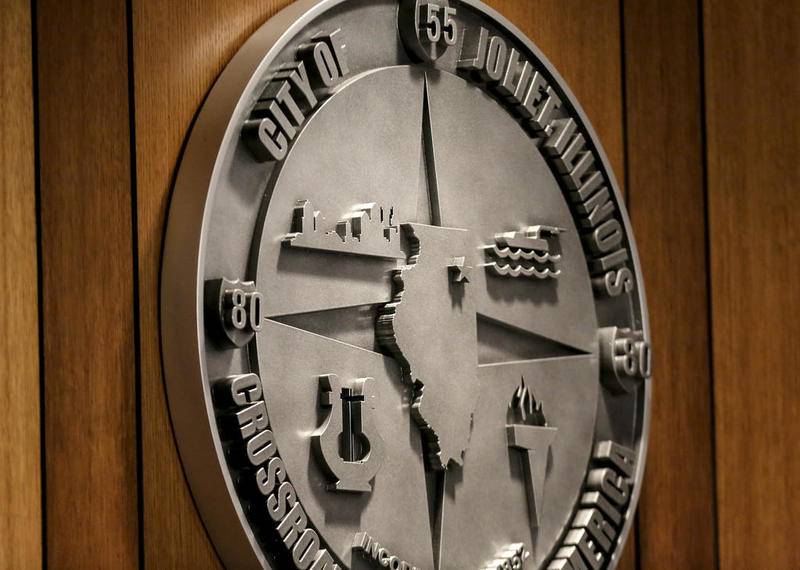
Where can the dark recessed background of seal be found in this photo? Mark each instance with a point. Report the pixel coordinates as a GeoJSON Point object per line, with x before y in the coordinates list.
{"type": "Point", "coordinates": [712, 148]}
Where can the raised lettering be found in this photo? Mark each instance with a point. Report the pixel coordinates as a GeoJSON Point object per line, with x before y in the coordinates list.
{"type": "Point", "coordinates": [614, 283]}
{"type": "Point", "coordinates": [306, 550]}
{"type": "Point", "coordinates": [621, 457]}
{"type": "Point", "coordinates": [596, 499]}
{"type": "Point", "coordinates": [245, 389]}
{"type": "Point", "coordinates": [293, 524]}
{"type": "Point", "coordinates": [297, 74]}
{"type": "Point", "coordinates": [474, 44]}
{"type": "Point", "coordinates": [515, 78]}
{"type": "Point", "coordinates": [336, 42]}
{"type": "Point", "coordinates": [281, 93]}
{"type": "Point", "coordinates": [614, 487]}
{"type": "Point", "coordinates": [572, 555]}
{"type": "Point", "coordinates": [274, 473]}
{"type": "Point", "coordinates": [606, 237]}
{"type": "Point", "coordinates": [533, 96]}
{"type": "Point", "coordinates": [564, 161]}
{"type": "Point", "coordinates": [563, 130]}
{"type": "Point", "coordinates": [495, 60]}
{"type": "Point", "coordinates": [265, 140]}
{"type": "Point", "coordinates": [579, 538]}
{"type": "Point", "coordinates": [574, 180]}
{"type": "Point", "coordinates": [596, 209]}
{"type": "Point", "coordinates": [252, 419]}
{"type": "Point", "coordinates": [599, 528]}
{"type": "Point", "coordinates": [325, 72]}
{"type": "Point", "coordinates": [284, 497]}
{"type": "Point", "coordinates": [275, 111]}
{"type": "Point", "coordinates": [261, 447]}
{"type": "Point", "coordinates": [609, 261]}
{"type": "Point", "coordinates": [592, 183]}
{"type": "Point", "coordinates": [383, 557]}
{"type": "Point", "coordinates": [539, 125]}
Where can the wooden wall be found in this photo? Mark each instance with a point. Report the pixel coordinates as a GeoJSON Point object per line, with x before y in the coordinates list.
{"type": "Point", "coordinates": [666, 201]}
{"type": "Point", "coordinates": [752, 69]}
{"type": "Point", "coordinates": [20, 452]}
{"type": "Point", "coordinates": [88, 340]}
{"type": "Point", "coordinates": [696, 105]}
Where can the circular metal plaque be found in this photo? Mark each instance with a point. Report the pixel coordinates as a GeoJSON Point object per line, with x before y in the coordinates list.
{"type": "Point", "coordinates": [402, 315]}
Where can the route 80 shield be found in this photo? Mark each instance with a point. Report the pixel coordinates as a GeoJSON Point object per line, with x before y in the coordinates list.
{"type": "Point", "coordinates": [403, 320]}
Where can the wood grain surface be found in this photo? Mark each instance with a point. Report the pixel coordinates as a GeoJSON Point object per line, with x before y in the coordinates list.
{"type": "Point", "coordinates": [20, 479]}
{"type": "Point", "coordinates": [179, 48]}
{"type": "Point", "coordinates": [667, 206]}
{"type": "Point", "coordinates": [87, 286]}
{"type": "Point", "coordinates": [752, 69]}
{"type": "Point", "coordinates": [719, 248]}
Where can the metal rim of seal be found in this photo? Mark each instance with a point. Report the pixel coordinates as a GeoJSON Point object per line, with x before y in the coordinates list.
{"type": "Point", "coordinates": [183, 336]}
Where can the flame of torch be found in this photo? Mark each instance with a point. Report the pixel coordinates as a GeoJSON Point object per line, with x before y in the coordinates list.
{"type": "Point", "coordinates": [532, 436]}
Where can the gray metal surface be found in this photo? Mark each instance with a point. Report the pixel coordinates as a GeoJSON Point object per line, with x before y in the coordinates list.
{"type": "Point", "coordinates": [393, 236]}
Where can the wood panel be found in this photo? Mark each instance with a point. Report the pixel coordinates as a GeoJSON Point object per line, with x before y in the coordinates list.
{"type": "Point", "coordinates": [583, 40]}
{"type": "Point", "coordinates": [88, 254]}
{"type": "Point", "coordinates": [752, 67]}
{"type": "Point", "coordinates": [179, 48]}
{"type": "Point", "coordinates": [20, 481]}
{"type": "Point", "coordinates": [667, 205]}
{"type": "Point", "coordinates": [87, 286]}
